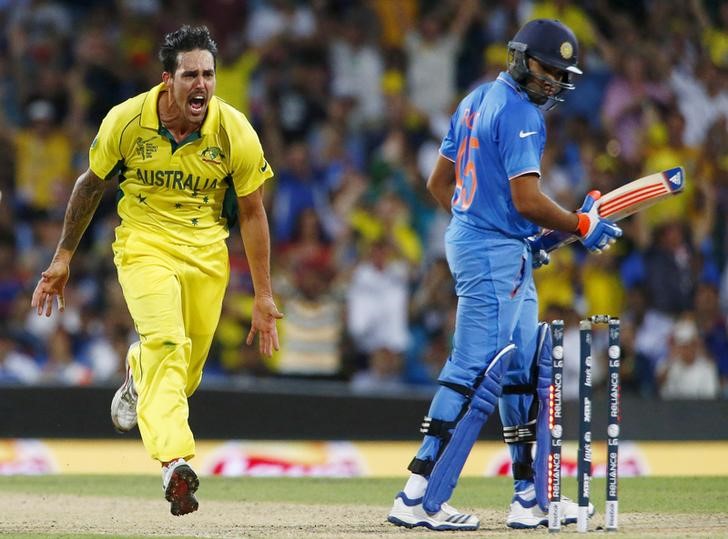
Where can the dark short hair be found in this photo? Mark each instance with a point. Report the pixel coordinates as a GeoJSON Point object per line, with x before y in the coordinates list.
{"type": "Point", "coordinates": [185, 39]}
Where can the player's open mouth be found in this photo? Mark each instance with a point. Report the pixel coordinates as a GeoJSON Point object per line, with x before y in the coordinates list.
{"type": "Point", "coordinates": [197, 103]}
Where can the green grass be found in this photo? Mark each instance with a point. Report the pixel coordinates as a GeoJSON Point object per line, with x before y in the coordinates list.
{"type": "Point", "coordinates": [644, 494]}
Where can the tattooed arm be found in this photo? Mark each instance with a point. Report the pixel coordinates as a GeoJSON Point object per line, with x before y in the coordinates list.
{"type": "Point", "coordinates": [81, 208]}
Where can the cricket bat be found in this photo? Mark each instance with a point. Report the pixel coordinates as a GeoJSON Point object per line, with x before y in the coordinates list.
{"type": "Point", "coordinates": [624, 201]}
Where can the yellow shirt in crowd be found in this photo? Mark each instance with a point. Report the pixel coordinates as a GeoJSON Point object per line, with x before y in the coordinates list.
{"type": "Point", "coordinates": [43, 174]}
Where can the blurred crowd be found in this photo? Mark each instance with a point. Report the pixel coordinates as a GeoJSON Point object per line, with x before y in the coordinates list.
{"type": "Point", "coordinates": [351, 99]}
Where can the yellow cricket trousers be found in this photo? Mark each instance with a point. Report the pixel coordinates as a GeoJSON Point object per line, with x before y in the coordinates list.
{"type": "Point", "coordinates": [174, 294]}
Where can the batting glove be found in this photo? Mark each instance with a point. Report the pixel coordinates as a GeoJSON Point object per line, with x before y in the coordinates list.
{"type": "Point", "coordinates": [540, 256]}
{"type": "Point", "coordinates": [596, 233]}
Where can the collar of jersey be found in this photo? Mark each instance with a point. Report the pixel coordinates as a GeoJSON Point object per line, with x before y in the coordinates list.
{"type": "Point", "coordinates": [506, 79]}
{"type": "Point", "coordinates": [150, 116]}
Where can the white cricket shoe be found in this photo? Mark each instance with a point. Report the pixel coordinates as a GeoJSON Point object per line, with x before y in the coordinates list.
{"type": "Point", "coordinates": [180, 483]}
{"type": "Point", "coordinates": [526, 513]}
{"type": "Point", "coordinates": [124, 404]}
{"type": "Point", "coordinates": [570, 510]}
{"type": "Point", "coordinates": [410, 514]}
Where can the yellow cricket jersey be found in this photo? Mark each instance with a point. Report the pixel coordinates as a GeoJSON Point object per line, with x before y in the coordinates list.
{"type": "Point", "coordinates": [178, 191]}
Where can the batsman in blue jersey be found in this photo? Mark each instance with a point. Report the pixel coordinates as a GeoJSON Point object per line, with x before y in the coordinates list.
{"type": "Point", "coordinates": [488, 177]}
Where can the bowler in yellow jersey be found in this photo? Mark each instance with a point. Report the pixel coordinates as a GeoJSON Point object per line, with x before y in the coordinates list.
{"type": "Point", "coordinates": [187, 163]}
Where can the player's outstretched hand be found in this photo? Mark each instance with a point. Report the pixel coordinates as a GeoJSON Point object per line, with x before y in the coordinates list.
{"type": "Point", "coordinates": [596, 233]}
{"type": "Point", "coordinates": [540, 257]}
{"type": "Point", "coordinates": [265, 314]}
{"type": "Point", "coordinates": [50, 286]}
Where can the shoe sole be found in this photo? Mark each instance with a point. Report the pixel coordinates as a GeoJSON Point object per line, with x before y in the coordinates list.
{"type": "Point", "coordinates": [115, 404]}
{"type": "Point", "coordinates": [525, 526]}
{"type": "Point", "coordinates": [181, 491]}
{"type": "Point", "coordinates": [424, 524]}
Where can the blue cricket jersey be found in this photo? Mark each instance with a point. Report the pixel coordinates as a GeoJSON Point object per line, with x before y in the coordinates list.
{"type": "Point", "coordinates": [495, 135]}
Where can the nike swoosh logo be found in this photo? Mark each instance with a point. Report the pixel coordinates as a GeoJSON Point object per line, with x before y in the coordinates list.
{"type": "Point", "coordinates": [524, 134]}
{"type": "Point", "coordinates": [264, 167]}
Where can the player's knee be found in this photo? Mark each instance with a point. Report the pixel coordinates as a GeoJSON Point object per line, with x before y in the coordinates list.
{"type": "Point", "coordinates": [170, 350]}
{"type": "Point", "coordinates": [456, 376]}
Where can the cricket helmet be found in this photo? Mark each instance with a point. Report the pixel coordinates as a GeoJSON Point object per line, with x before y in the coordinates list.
{"type": "Point", "coordinates": [552, 44]}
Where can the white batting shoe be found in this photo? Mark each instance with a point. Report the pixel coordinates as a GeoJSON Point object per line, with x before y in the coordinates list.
{"type": "Point", "coordinates": [124, 404]}
{"type": "Point", "coordinates": [570, 510]}
{"type": "Point", "coordinates": [525, 513]}
{"type": "Point", "coordinates": [410, 514]}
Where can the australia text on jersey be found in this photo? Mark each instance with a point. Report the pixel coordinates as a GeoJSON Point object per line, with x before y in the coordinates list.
{"type": "Point", "coordinates": [175, 179]}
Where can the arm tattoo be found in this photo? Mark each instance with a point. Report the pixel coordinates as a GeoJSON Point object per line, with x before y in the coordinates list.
{"type": "Point", "coordinates": [81, 208]}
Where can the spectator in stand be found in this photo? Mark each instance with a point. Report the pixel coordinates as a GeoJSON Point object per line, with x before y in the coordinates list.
{"type": "Point", "coordinates": [713, 328]}
{"type": "Point", "coordinates": [38, 34]}
{"type": "Point", "coordinates": [701, 97]}
{"type": "Point", "coordinates": [714, 33]}
{"type": "Point", "coordinates": [299, 187]}
{"type": "Point", "coordinates": [61, 366]}
{"type": "Point", "coordinates": [390, 218]}
{"type": "Point", "coordinates": [670, 266]}
{"type": "Point", "coordinates": [296, 95]}
{"type": "Point", "coordinates": [308, 244]}
{"type": "Point", "coordinates": [16, 367]}
{"type": "Point", "coordinates": [383, 373]}
{"type": "Point", "coordinates": [41, 184]}
{"type": "Point", "coordinates": [357, 67]}
{"type": "Point", "coordinates": [688, 372]}
{"type": "Point", "coordinates": [710, 214]}
{"type": "Point", "coordinates": [556, 281]}
{"type": "Point", "coordinates": [377, 302]}
{"type": "Point", "coordinates": [229, 355]}
{"type": "Point", "coordinates": [103, 346]}
{"type": "Point", "coordinates": [313, 329]}
{"type": "Point", "coordinates": [432, 312]}
{"type": "Point", "coordinates": [603, 291]}
{"type": "Point", "coordinates": [630, 95]}
{"type": "Point", "coordinates": [652, 329]}
{"type": "Point", "coordinates": [635, 371]}
{"type": "Point", "coordinates": [279, 19]}
{"type": "Point", "coordinates": [665, 148]}
{"type": "Point", "coordinates": [11, 280]}
{"type": "Point", "coordinates": [97, 73]}
{"type": "Point", "coordinates": [432, 47]}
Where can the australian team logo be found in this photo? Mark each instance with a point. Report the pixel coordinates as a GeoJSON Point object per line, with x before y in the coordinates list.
{"type": "Point", "coordinates": [145, 148]}
{"type": "Point", "coordinates": [212, 154]}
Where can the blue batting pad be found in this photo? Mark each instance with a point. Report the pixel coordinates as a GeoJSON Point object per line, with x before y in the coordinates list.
{"type": "Point", "coordinates": [448, 467]}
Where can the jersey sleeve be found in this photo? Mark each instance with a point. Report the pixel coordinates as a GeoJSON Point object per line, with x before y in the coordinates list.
{"type": "Point", "coordinates": [249, 166]}
{"type": "Point", "coordinates": [521, 140]}
{"type": "Point", "coordinates": [448, 148]}
{"type": "Point", "coordinates": [104, 155]}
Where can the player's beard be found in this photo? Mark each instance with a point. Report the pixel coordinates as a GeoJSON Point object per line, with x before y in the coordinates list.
{"type": "Point", "coordinates": [539, 97]}
{"type": "Point", "coordinates": [536, 92]}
